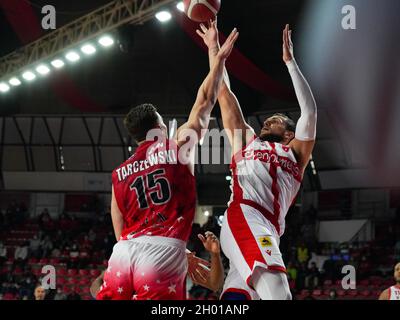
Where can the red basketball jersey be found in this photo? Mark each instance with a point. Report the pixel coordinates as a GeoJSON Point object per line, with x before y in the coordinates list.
{"type": "Point", "coordinates": [155, 193]}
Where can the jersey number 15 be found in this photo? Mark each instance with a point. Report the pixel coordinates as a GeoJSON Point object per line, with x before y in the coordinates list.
{"type": "Point", "coordinates": [153, 186]}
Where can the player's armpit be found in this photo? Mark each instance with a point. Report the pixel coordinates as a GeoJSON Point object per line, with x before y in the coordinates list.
{"type": "Point", "coordinates": [302, 151]}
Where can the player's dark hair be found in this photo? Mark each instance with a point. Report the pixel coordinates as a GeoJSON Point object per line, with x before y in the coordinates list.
{"type": "Point", "coordinates": [140, 120]}
{"type": "Point", "coordinates": [290, 125]}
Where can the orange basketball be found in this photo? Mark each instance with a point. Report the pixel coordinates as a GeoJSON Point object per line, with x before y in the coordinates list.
{"type": "Point", "coordinates": [202, 10]}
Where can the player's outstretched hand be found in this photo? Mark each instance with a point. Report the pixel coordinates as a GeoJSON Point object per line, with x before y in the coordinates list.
{"type": "Point", "coordinates": [227, 47]}
{"type": "Point", "coordinates": [198, 269]}
{"type": "Point", "coordinates": [210, 242]}
{"type": "Point", "coordinates": [209, 34]}
{"type": "Point", "coordinates": [288, 54]}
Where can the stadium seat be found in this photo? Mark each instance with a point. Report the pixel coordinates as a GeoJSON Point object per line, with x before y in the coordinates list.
{"type": "Point", "coordinates": [44, 261]}
{"type": "Point", "coordinates": [66, 290]}
{"type": "Point", "coordinates": [73, 281]}
{"type": "Point", "coordinates": [84, 282]}
{"type": "Point", "coordinates": [365, 293]}
{"type": "Point", "coordinates": [61, 272]}
{"type": "Point", "coordinates": [54, 261]}
{"type": "Point", "coordinates": [9, 296]}
{"type": "Point", "coordinates": [327, 283]}
{"type": "Point", "coordinates": [352, 293]}
{"type": "Point", "coordinates": [86, 290]}
{"type": "Point", "coordinates": [95, 272]}
{"type": "Point", "coordinates": [341, 293]}
{"type": "Point", "coordinates": [364, 282]}
{"type": "Point", "coordinates": [77, 289]}
{"type": "Point", "coordinates": [33, 261]}
{"type": "Point", "coordinates": [388, 282]}
{"type": "Point", "coordinates": [317, 293]}
{"type": "Point", "coordinates": [72, 272]}
{"type": "Point", "coordinates": [83, 272]}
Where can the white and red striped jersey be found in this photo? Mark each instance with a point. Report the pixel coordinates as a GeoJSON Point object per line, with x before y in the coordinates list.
{"type": "Point", "coordinates": [267, 177]}
{"type": "Point", "coordinates": [394, 292]}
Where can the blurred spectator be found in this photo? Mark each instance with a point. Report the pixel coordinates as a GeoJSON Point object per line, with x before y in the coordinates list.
{"type": "Point", "coordinates": [92, 236]}
{"type": "Point", "coordinates": [60, 295]}
{"type": "Point", "coordinates": [46, 246]}
{"type": "Point", "coordinates": [301, 276]}
{"type": "Point", "coordinates": [74, 296]}
{"type": "Point", "coordinates": [292, 271]}
{"type": "Point", "coordinates": [74, 256]}
{"type": "Point", "coordinates": [312, 277]}
{"type": "Point", "coordinates": [3, 254]}
{"type": "Point", "coordinates": [39, 293]}
{"type": "Point", "coordinates": [34, 247]}
{"type": "Point", "coordinates": [302, 253]}
{"type": "Point", "coordinates": [332, 295]}
{"type": "Point", "coordinates": [309, 296]}
{"type": "Point", "coordinates": [21, 254]}
{"type": "Point", "coordinates": [2, 220]}
{"type": "Point", "coordinates": [397, 250]}
{"type": "Point", "coordinates": [55, 253]}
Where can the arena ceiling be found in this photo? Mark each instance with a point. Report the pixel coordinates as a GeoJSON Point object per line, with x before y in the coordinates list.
{"type": "Point", "coordinates": [163, 64]}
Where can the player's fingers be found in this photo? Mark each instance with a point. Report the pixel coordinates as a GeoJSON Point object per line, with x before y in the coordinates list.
{"type": "Point", "coordinates": [201, 237]}
{"type": "Point", "coordinates": [201, 34]}
{"type": "Point", "coordinates": [203, 27]}
{"type": "Point", "coordinates": [200, 274]}
{"type": "Point", "coordinates": [234, 39]}
{"type": "Point", "coordinates": [214, 24]}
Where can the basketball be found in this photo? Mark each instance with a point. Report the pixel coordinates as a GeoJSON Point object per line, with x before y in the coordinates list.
{"type": "Point", "coordinates": [202, 10]}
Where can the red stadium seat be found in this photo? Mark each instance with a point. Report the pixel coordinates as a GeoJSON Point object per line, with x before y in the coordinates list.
{"type": "Point", "coordinates": [83, 272]}
{"type": "Point", "coordinates": [32, 261]}
{"type": "Point", "coordinates": [61, 281]}
{"type": "Point", "coordinates": [317, 293]}
{"type": "Point", "coordinates": [365, 293]}
{"type": "Point", "coordinates": [77, 289]}
{"type": "Point", "coordinates": [364, 282]}
{"type": "Point", "coordinates": [95, 272]}
{"type": "Point", "coordinates": [86, 290]}
{"type": "Point", "coordinates": [352, 293]}
{"type": "Point", "coordinates": [73, 281]}
{"type": "Point", "coordinates": [9, 296]}
{"type": "Point", "coordinates": [66, 290]}
{"type": "Point", "coordinates": [44, 261]}
{"type": "Point", "coordinates": [54, 261]}
{"type": "Point", "coordinates": [84, 282]}
{"type": "Point", "coordinates": [327, 283]}
{"type": "Point", "coordinates": [72, 272]}
{"type": "Point", "coordinates": [341, 293]}
{"type": "Point", "coordinates": [61, 272]}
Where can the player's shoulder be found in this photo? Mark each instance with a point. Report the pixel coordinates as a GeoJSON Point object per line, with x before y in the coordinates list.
{"type": "Point", "coordinates": [385, 294]}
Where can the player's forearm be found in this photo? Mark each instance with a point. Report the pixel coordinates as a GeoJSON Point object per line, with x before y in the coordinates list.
{"type": "Point", "coordinates": [217, 272]}
{"type": "Point", "coordinates": [118, 224]}
{"type": "Point", "coordinates": [307, 124]}
{"type": "Point", "coordinates": [213, 82]}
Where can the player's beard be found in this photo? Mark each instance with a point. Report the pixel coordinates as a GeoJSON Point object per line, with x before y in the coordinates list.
{"type": "Point", "coordinates": [272, 138]}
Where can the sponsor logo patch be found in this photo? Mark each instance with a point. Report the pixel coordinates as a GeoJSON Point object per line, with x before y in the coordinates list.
{"type": "Point", "coordinates": [265, 242]}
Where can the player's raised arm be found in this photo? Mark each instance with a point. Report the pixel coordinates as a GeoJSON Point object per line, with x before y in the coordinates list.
{"type": "Point", "coordinates": [199, 117]}
{"type": "Point", "coordinates": [232, 115]}
{"type": "Point", "coordinates": [306, 128]}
